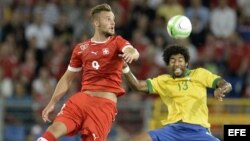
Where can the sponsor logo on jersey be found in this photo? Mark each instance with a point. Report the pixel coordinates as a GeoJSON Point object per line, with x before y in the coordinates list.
{"type": "Point", "coordinates": [94, 52]}
{"type": "Point", "coordinates": [94, 136]}
{"type": "Point", "coordinates": [83, 47]}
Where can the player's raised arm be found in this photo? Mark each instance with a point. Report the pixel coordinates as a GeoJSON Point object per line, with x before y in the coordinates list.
{"type": "Point", "coordinates": [138, 85]}
{"type": "Point", "coordinates": [223, 87]}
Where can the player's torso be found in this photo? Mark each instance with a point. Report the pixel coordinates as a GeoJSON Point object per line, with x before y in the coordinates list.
{"type": "Point", "coordinates": [101, 66]}
{"type": "Point", "coordinates": [100, 57]}
{"type": "Point", "coordinates": [185, 97]}
{"type": "Point", "coordinates": [185, 87]}
{"type": "Point", "coordinates": [181, 89]}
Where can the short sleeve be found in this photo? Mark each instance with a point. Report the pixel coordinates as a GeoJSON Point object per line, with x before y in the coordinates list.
{"type": "Point", "coordinates": [153, 85]}
{"type": "Point", "coordinates": [122, 43]}
{"type": "Point", "coordinates": [75, 64]}
{"type": "Point", "coordinates": [208, 78]}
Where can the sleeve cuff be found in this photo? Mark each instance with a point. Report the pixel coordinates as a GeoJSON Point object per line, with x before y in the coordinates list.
{"type": "Point", "coordinates": [74, 69]}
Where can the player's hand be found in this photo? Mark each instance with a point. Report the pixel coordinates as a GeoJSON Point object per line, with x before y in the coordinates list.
{"type": "Point", "coordinates": [130, 54]}
{"type": "Point", "coordinates": [46, 112]}
{"type": "Point", "coordinates": [219, 93]}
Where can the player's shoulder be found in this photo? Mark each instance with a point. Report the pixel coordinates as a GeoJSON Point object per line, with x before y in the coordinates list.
{"type": "Point", "coordinates": [82, 45]}
{"type": "Point", "coordinates": [163, 77]}
{"type": "Point", "coordinates": [117, 37]}
{"type": "Point", "coordinates": [200, 70]}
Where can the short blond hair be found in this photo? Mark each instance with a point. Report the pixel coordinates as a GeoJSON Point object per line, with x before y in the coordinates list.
{"type": "Point", "coordinates": [99, 8]}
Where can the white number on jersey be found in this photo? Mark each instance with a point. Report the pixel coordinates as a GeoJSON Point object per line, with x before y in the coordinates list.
{"type": "Point", "coordinates": [95, 65]}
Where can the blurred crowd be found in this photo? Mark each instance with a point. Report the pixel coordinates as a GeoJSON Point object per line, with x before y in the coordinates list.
{"type": "Point", "coordinates": [37, 38]}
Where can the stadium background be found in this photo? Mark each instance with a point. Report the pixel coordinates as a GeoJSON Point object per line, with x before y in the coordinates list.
{"type": "Point", "coordinates": [37, 37]}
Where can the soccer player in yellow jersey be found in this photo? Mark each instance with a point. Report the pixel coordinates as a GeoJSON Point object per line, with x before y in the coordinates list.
{"type": "Point", "coordinates": [184, 92]}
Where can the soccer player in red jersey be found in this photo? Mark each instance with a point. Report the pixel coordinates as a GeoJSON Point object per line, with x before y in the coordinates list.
{"type": "Point", "coordinates": [100, 59]}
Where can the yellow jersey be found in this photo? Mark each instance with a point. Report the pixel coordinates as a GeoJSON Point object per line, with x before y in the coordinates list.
{"type": "Point", "coordinates": [186, 97]}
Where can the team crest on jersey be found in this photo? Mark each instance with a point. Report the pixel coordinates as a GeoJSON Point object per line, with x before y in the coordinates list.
{"type": "Point", "coordinates": [105, 51]}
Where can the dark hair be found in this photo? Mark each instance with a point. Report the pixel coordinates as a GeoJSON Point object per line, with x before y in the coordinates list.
{"type": "Point", "coordinates": [174, 50]}
{"type": "Point", "coordinates": [99, 8]}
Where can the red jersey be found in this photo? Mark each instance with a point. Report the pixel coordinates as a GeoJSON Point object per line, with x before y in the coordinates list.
{"type": "Point", "coordinates": [100, 64]}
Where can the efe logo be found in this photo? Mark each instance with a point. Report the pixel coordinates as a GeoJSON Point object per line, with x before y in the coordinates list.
{"type": "Point", "coordinates": [241, 132]}
{"type": "Point", "coordinates": [236, 132]}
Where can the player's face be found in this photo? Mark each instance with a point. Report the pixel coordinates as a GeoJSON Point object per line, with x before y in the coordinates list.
{"type": "Point", "coordinates": [106, 23]}
{"type": "Point", "coordinates": [177, 65]}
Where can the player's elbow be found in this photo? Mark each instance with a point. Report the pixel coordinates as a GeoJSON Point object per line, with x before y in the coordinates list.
{"type": "Point", "coordinates": [141, 88]}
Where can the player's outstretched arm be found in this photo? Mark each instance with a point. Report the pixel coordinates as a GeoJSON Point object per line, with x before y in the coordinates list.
{"type": "Point", "coordinates": [60, 90]}
{"type": "Point", "coordinates": [138, 85]}
{"type": "Point", "coordinates": [223, 87]}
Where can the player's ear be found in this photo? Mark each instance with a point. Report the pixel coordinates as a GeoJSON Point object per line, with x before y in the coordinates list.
{"type": "Point", "coordinates": [96, 23]}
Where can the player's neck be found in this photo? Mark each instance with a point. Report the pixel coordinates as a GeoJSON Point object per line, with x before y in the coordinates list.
{"type": "Point", "coordinates": [99, 38]}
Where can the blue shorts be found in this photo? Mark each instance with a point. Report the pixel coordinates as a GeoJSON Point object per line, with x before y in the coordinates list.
{"type": "Point", "coordinates": [182, 132]}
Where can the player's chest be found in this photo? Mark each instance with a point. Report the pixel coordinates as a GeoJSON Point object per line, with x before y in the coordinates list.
{"type": "Point", "coordinates": [99, 52]}
{"type": "Point", "coordinates": [185, 88]}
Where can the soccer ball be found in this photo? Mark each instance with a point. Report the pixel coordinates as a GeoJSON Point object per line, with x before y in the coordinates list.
{"type": "Point", "coordinates": [179, 27]}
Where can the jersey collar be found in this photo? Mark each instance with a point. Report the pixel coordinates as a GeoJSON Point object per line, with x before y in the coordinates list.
{"type": "Point", "coordinates": [98, 42]}
{"type": "Point", "coordinates": [187, 72]}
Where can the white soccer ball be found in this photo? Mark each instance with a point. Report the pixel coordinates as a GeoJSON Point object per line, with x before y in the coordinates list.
{"type": "Point", "coordinates": [179, 27]}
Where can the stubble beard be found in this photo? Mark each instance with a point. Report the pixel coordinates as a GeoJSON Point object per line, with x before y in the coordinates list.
{"type": "Point", "coordinates": [107, 34]}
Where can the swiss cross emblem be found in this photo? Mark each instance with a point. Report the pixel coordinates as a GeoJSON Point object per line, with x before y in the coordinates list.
{"type": "Point", "coordinates": [105, 51]}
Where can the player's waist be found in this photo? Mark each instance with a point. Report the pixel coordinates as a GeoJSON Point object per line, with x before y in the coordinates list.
{"type": "Point", "coordinates": [108, 95]}
{"type": "Point", "coordinates": [108, 87]}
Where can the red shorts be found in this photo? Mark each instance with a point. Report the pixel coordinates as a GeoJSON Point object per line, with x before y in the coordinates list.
{"type": "Point", "coordinates": [92, 116]}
